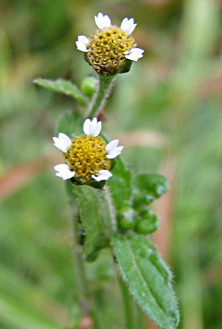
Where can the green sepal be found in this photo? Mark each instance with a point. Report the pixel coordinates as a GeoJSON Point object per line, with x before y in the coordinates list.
{"type": "Point", "coordinates": [147, 188]}
{"type": "Point", "coordinates": [63, 87]}
{"type": "Point", "coordinates": [126, 67]}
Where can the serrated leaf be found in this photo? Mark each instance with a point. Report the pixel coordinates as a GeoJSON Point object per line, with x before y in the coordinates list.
{"type": "Point", "coordinates": [63, 87]}
{"type": "Point", "coordinates": [148, 278]}
{"type": "Point", "coordinates": [148, 187]}
{"type": "Point", "coordinates": [69, 123]}
{"type": "Point", "coordinates": [97, 216]}
{"type": "Point", "coordinates": [120, 184]}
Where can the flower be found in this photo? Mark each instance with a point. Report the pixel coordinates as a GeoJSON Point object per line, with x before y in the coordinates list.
{"type": "Point", "coordinates": [87, 157]}
{"type": "Point", "coordinates": [109, 47]}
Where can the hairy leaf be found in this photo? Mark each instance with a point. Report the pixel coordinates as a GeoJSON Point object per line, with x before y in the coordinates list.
{"type": "Point", "coordinates": [148, 278]}
{"type": "Point", "coordinates": [120, 184]}
{"type": "Point", "coordinates": [62, 86]}
{"type": "Point", "coordinates": [97, 216]}
{"type": "Point", "coordinates": [69, 123]}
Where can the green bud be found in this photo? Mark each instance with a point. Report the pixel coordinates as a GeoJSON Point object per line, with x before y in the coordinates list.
{"type": "Point", "coordinates": [126, 218]}
{"type": "Point", "coordinates": [88, 86]}
{"type": "Point", "coordinates": [145, 212]}
{"type": "Point", "coordinates": [148, 225]}
{"type": "Point", "coordinates": [142, 199]}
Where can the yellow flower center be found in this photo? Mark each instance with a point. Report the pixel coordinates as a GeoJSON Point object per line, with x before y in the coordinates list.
{"type": "Point", "coordinates": [86, 156]}
{"type": "Point", "coordinates": [107, 49]}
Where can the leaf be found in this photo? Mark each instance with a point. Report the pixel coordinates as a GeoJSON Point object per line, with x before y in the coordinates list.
{"type": "Point", "coordinates": [69, 123]}
{"type": "Point", "coordinates": [148, 278]}
{"type": "Point", "coordinates": [148, 187]}
{"type": "Point", "coordinates": [97, 216]}
{"type": "Point", "coordinates": [62, 86]}
{"type": "Point", "coordinates": [120, 184]}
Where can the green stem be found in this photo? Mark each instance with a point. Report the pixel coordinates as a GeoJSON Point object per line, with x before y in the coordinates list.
{"type": "Point", "coordinates": [98, 102]}
{"type": "Point", "coordinates": [129, 319]}
{"type": "Point", "coordinates": [78, 253]}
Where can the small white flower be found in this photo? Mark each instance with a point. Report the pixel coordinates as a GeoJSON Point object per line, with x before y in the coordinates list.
{"type": "Point", "coordinates": [92, 128]}
{"type": "Point", "coordinates": [113, 150]}
{"type": "Point", "coordinates": [92, 149]}
{"type": "Point", "coordinates": [82, 43]}
{"type": "Point", "coordinates": [102, 175]}
{"type": "Point", "coordinates": [62, 142]}
{"type": "Point", "coordinates": [135, 54]}
{"type": "Point", "coordinates": [128, 25]}
{"type": "Point", "coordinates": [63, 171]}
{"type": "Point", "coordinates": [102, 21]}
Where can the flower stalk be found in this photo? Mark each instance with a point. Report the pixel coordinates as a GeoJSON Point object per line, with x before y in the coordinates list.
{"type": "Point", "coordinates": [104, 88]}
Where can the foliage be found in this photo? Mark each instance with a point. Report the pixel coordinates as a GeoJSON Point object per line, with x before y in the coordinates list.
{"type": "Point", "coordinates": [182, 101]}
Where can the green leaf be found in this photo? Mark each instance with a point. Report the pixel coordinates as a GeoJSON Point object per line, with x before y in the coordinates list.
{"type": "Point", "coordinates": [63, 87]}
{"type": "Point", "coordinates": [97, 216]}
{"type": "Point", "coordinates": [148, 278]}
{"type": "Point", "coordinates": [148, 187]}
{"type": "Point", "coordinates": [69, 123]}
{"type": "Point", "coordinates": [120, 184]}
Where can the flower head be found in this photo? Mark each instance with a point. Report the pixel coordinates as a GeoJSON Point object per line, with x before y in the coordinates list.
{"type": "Point", "coordinates": [109, 47]}
{"type": "Point", "coordinates": [87, 157]}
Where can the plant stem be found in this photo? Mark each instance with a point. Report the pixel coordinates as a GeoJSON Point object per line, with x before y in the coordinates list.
{"type": "Point", "coordinates": [98, 102]}
{"type": "Point", "coordinates": [78, 253]}
{"type": "Point", "coordinates": [129, 320]}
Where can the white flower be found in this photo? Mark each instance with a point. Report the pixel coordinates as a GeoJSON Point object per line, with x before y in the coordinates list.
{"type": "Point", "coordinates": [82, 43]}
{"type": "Point", "coordinates": [102, 175]}
{"type": "Point", "coordinates": [102, 21]}
{"type": "Point", "coordinates": [63, 171]}
{"type": "Point", "coordinates": [113, 150]}
{"type": "Point", "coordinates": [92, 128]}
{"type": "Point", "coordinates": [62, 142]}
{"type": "Point", "coordinates": [93, 149]}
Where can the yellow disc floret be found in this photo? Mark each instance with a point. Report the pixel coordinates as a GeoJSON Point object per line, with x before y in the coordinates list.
{"type": "Point", "coordinates": [86, 156]}
{"type": "Point", "coordinates": [107, 49]}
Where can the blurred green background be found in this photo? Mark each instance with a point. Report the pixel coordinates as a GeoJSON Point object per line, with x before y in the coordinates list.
{"type": "Point", "coordinates": [171, 99]}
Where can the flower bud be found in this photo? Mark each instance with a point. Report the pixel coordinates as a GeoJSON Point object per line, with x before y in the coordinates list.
{"type": "Point", "coordinates": [88, 86]}
{"type": "Point", "coordinates": [126, 218]}
{"type": "Point", "coordinates": [147, 225]}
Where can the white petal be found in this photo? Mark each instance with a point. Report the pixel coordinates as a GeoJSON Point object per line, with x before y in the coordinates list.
{"type": "Point", "coordinates": [63, 171]}
{"type": "Point", "coordinates": [61, 167]}
{"type": "Point", "coordinates": [92, 128]}
{"type": "Point", "coordinates": [115, 152]}
{"type": "Point", "coordinates": [86, 126]}
{"type": "Point", "coordinates": [112, 144]}
{"type": "Point", "coordinates": [62, 142]}
{"type": "Point", "coordinates": [102, 175]}
{"type": "Point", "coordinates": [135, 54]}
{"type": "Point", "coordinates": [128, 25]}
{"type": "Point", "coordinates": [82, 43]}
{"type": "Point", "coordinates": [102, 21]}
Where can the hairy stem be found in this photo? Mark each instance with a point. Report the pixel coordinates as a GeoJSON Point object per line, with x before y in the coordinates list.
{"type": "Point", "coordinates": [129, 319]}
{"type": "Point", "coordinates": [78, 253]}
{"type": "Point", "coordinates": [104, 87]}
